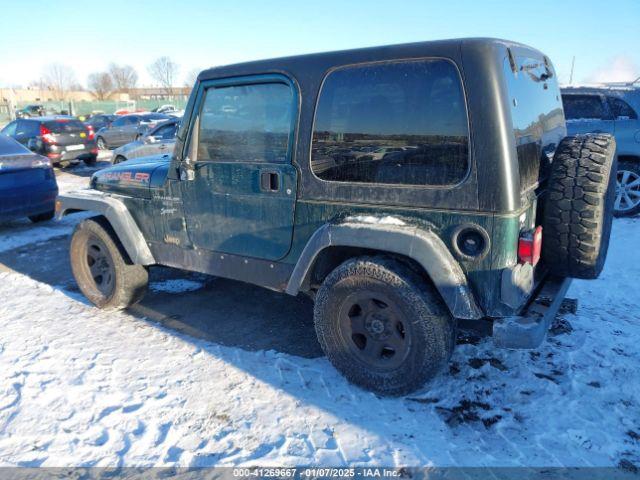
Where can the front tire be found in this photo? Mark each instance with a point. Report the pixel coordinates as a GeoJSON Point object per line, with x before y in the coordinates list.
{"type": "Point", "coordinates": [382, 326]}
{"type": "Point", "coordinates": [627, 203]}
{"type": "Point", "coordinates": [102, 269]}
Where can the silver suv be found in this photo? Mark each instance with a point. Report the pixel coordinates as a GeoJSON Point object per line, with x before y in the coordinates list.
{"type": "Point", "coordinates": [611, 108]}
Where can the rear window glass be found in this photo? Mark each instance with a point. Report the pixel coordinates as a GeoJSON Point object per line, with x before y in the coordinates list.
{"type": "Point", "coordinates": [393, 123]}
{"type": "Point", "coordinates": [536, 113]}
{"type": "Point", "coordinates": [65, 126]}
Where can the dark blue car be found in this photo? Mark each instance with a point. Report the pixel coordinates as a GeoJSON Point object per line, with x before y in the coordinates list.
{"type": "Point", "coordinates": [28, 185]}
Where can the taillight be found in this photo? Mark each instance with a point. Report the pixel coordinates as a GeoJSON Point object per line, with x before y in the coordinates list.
{"type": "Point", "coordinates": [47, 136]}
{"type": "Point", "coordinates": [530, 246]}
{"type": "Point", "coordinates": [91, 134]}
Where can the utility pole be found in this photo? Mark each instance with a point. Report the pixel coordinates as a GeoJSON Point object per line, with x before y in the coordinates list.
{"type": "Point", "coordinates": [573, 63]}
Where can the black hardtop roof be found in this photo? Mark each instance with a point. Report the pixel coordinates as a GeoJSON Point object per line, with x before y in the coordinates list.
{"type": "Point", "coordinates": [344, 57]}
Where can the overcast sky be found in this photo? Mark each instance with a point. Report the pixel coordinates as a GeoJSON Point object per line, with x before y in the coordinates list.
{"type": "Point", "coordinates": [86, 35]}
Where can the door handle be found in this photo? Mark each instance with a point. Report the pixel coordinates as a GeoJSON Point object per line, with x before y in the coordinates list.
{"type": "Point", "coordinates": [269, 181]}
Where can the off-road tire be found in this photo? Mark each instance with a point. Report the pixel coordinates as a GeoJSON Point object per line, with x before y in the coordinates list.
{"type": "Point", "coordinates": [42, 217]}
{"type": "Point", "coordinates": [634, 168]}
{"type": "Point", "coordinates": [427, 324]}
{"type": "Point", "coordinates": [129, 280]}
{"type": "Point", "coordinates": [578, 209]}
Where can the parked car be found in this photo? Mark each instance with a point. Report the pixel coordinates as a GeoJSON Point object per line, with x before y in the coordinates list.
{"type": "Point", "coordinates": [30, 111]}
{"type": "Point", "coordinates": [165, 109]}
{"type": "Point", "coordinates": [101, 120]}
{"type": "Point", "coordinates": [611, 109]}
{"type": "Point", "coordinates": [28, 185]}
{"type": "Point", "coordinates": [396, 252]}
{"type": "Point", "coordinates": [159, 140]}
{"type": "Point", "coordinates": [127, 128]}
{"type": "Point", "coordinates": [64, 140]}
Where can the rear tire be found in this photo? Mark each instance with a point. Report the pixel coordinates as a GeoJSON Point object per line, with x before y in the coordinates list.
{"type": "Point", "coordinates": [102, 269]}
{"type": "Point", "coordinates": [627, 202]}
{"type": "Point", "coordinates": [42, 217]}
{"type": "Point", "coordinates": [382, 326]}
{"type": "Point", "coordinates": [101, 143]}
{"type": "Point", "coordinates": [119, 159]}
{"type": "Point", "coordinates": [578, 208]}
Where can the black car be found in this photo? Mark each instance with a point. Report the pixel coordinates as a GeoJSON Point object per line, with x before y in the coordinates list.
{"type": "Point", "coordinates": [127, 128]}
{"type": "Point", "coordinates": [96, 122]}
{"type": "Point", "coordinates": [62, 139]}
{"type": "Point", "coordinates": [27, 183]}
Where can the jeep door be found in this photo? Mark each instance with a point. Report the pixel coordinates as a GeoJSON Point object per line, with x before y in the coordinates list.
{"type": "Point", "coordinates": [241, 200]}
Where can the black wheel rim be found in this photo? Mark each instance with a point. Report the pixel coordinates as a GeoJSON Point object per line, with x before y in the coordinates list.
{"type": "Point", "coordinates": [374, 330]}
{"type": "Point", "coordinates": [100, 266]}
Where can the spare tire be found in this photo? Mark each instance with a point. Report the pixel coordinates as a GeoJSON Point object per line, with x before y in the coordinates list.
{"type": "Point", "coordinates": [578, 208]}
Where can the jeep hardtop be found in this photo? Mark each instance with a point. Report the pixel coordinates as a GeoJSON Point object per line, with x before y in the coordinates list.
{"type": "Point", "coordinates": [408, 189]}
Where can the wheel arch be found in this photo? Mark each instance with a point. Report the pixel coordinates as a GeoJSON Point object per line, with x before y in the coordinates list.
{"type": "Point", "coordinates": [333, 243]}
{"type": "Point", "coordinates": [118, 216]}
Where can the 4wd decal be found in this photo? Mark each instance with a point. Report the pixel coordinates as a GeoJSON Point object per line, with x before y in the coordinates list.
{"type": "Point", "coordinates": [127, 177]}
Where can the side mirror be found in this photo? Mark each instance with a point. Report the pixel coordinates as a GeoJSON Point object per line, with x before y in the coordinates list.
{"type": "Point", "coordinates": [151, 139]}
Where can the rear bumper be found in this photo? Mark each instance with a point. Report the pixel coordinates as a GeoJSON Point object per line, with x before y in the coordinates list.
{"type": "Point", "coordinates": [529, 329]}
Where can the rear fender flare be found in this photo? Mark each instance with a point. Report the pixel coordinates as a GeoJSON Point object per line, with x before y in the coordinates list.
{"type": "Point", "coordinates": [416, 242]}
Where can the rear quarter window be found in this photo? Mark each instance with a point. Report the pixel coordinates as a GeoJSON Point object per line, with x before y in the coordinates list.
{"type": "Point", "coordinates": [402, 123]}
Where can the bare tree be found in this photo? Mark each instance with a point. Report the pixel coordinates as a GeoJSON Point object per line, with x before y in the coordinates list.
{"type": "Point", "coordinates": [100, 84]}
{"type": "Point", "coordinates": [190, 78]}
{"type": "Point", "coordinates": [124, 77]}
{"type": "Point", "coordinates": [164, 71]}
{"type": "Point", "coordinates": [59, 79]}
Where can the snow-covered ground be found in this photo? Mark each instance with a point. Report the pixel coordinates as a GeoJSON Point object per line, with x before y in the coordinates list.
{"type": "Point", "coordinates": [79, 386]}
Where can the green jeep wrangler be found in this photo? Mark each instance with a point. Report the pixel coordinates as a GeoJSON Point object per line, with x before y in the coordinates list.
{"type": "Point", "coordinates": [406, 188]}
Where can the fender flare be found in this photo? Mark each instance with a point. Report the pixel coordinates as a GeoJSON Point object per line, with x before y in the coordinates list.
{"type": "Point", "coordinates": [118, 216]}
{"type": "Point", "coordinates": [418, 243]}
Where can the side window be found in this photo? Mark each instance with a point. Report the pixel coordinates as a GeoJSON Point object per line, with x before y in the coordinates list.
{"type": "Point", "coordinates": [393, 123]}
{"type": "Point", "coordinates": [167, 132]}
{"type": "Point", "coordinates": [10, 130]}
{"type": "Point", "coordinates": [32, 129]}
{"type": "Point", "coordinates": [132, 120]}
{"type": "Point", "coordinates": [621, 109]}
{"type": "Point", "coordinates": [246, 123]}
{"type": "Point", "coordinates": [583, 107]}
{"type": "Point", "coordinates": [119, 122]}
{"type": "Point", "coordinates": [22, 128]}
